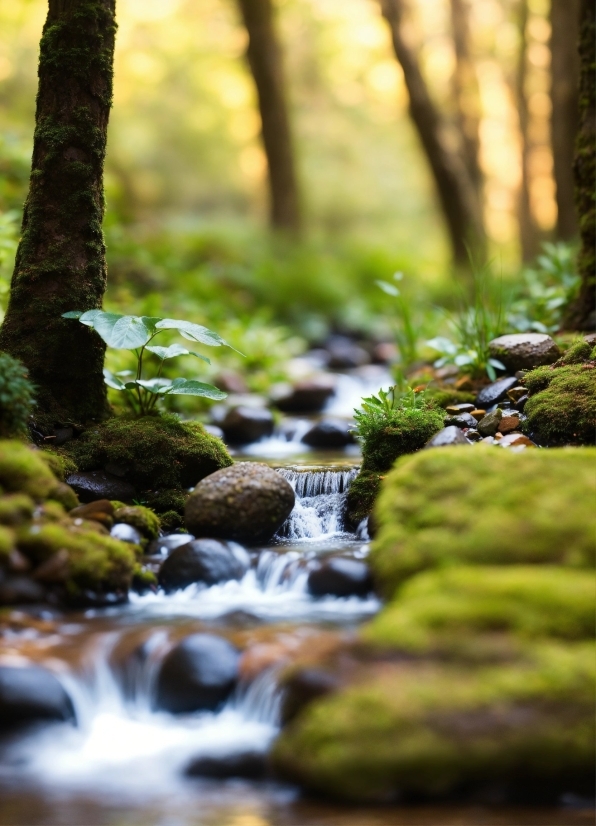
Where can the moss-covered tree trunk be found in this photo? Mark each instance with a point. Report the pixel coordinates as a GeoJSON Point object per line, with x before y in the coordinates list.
{"type": "Point", "coordinates": [60, 262]}
{"type": "Point", "coordinates": [456, 192]}
{"type": "Point", "coordinates": [264, 56]}
{"type": "Point", "coordinates": [582, 315]}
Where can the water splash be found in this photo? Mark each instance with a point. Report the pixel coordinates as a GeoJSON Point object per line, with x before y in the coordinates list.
{"type": "Point", "coordinates": [320, 502]}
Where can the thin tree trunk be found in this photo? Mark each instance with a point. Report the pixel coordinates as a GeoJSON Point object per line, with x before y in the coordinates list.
{"type": "Point", "coordinates": [264, 56]}
{"type": "Point", "coordinates": [528, 231]}
{"type": "Point", "coordinates": [582, 315]}
{"type": "Point", "coordinates": [461, 210]}
{"type": "Point", "coordinates": [60, 263]}
{"type": "Point", "coordinates": [466, 92]}
{"type": "Point", "coordinates": [564, 17]}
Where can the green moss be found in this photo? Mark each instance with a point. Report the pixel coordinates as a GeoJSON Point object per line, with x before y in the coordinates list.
{"type": "Point", "coordinates": [60, 464]}
{"type": "Point", "coordinates": [16, 398]}
{"type": "Point", "coordinates": [6, 541]}
{"type": "Point", "coordinates": [65, 495]}
{"type": "Point", "coordinates": [432, 729]}
{"type": "Point", "coordinates": [22, 470]}
{"type": "Point", "coordinates": [16, 509]}
{"type": "Point", "coordinates": [562, 405]}
{"type": "Point", "coordinates": [361, 496]}
{"type": "Point", "coordinates": [171, 520]}
{"type": "Point", "coordinates": [578, 352]}
{"type": "Point", "coordinates": [436, 609]}
{"type": "Point", "coordinates": [443, 397]}
{"type": "Point", "coordinates": [95, 562]}
{"type": "Point", "coordinates": [385, 437]}
{"type": "Point", "coordinates": [143, 519]}
{"type": "Point", "coordinates": [153, 453]}
{"type": "Point", "coordinates": [167, 501]}
{"type": "Point", "coordinates": [484, 507]}
{"type": "Point", "coordinates": [143, 579]}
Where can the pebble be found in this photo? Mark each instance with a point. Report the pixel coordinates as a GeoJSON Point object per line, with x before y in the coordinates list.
{"type": "Point", "coordinates": [126, 533]}
{"type": "Point", "coordinates": [463, 420]}
{"type": "Point", "coordinates": [508, 424]}
{"type": "Point", "coordinates": [516, 393]}
{"type": "Point", "coordinates": [456, 409]}
{"type": "Point", "coordinates": [473, 436]}
{"type": "Point", "coordinates": [523, 351]}
{"type": "Point", "coordinates": [489, 425]}
{"type": "Point", "coordinates": [495, 392]}
{"type": "Point", "coordinates": [478, 414]}
{"type": "Point", "coordinates": [516, 440]}
{"type": "Point", "coordinates": [447, 437]}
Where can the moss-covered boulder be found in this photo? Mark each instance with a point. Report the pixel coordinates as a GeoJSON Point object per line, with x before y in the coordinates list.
{"type": "Point", "coordinates": [429, 729]}
{"type": "Point", "coordinates": [464, 610]}
{"type": "Point", "coordinates": [561, 408]}
{"type": "Point", "coordinates": [361, 497]}
{"type": "Point", "coordinates": [70, 559]}
{"type": "Point", "coordinates": [143, 519]}
{"type": "Point", "coordinates": [155, 454]}
{"type": "Point", "coordinates": [487, 507]}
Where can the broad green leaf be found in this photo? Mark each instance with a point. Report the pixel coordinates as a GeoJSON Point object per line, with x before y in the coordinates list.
{"type": "Point", "coordinates": [174, 350]}
{"type": "Point", "coordinates": [191, 387]}
{"type": "Point", "coordinates": [388, 288]}
{"type": "Point", "coordinates": [73, 314]}
{"type": "Point", "coordinates": [155, 386]}
{"type": "Point", "coordinates": [443, 345]}
{"type": "Point", "coordinates": [112, 381]}
{"type": "Point", "coordinates": [496, 363]}
{"type": "Point", "coordinates": [128, 333]}
{"type": "Point", "coordinates": [151, 323]}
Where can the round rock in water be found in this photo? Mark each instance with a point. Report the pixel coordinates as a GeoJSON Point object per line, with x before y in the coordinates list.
{"type": "Point", "coordinates": [447, 437]}
{"type": "Point", "coordinates": [523, 351]}
{"type": "Point", "coordinates": [31, 694]}
{"type": "Point", "coordinates": [245, 424]}
{"type": "Point", "coordinates": [340, 577]}
{"type": "Point", "coordinates": [203, 560]}
{"type": "Point", "coordinates": [494, 392]}
{"type": "Point", "coordinates": [329, 433]}
{"type": "Point", "coordinates": [97, 484]}
{"type": "Point", "coordinates": [247, 502]}
{"type": "Point", "coordinates": [199, 674]}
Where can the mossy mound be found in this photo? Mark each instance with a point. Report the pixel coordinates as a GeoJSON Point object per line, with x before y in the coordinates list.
{"type": "Point", "coordinates": [444, 611]}
{"type": "Point", "coordinates": [155, 453]}
{"type": "Point", "coordinates": [143, 519]}
{"type": "Point", "coordinates": [428, 729]}
{"type": "Point", "coordinates": [386, 437]}
{"type": "Point", "coordinates": [361, 497]}
{"type": "Point", "coordinates": [68, 559]}
{"type": "Point", "coordinates": [562, 405]}
{"type": "Point", "coordinates": [484, 507]}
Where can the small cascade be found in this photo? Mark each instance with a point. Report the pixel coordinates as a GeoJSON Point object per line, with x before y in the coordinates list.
{"type": "Point", "coordinates": [320, 501]}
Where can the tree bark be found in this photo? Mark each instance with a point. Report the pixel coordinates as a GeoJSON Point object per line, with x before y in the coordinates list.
{"type": "Point", "coordinates": [564, 17]}
{"type": "Point", "coordinates": [466, 92]}
{"type": "Point", "coordinates": [582, 314]}
{"type": "Point", "coordinates": [460, 207]}
{"type": "Point", "coordinates": [528, 231]}
{"type": "Point", "coordinates": [264, 57]}
{"type": "Point", "coordinates": [60, 263]}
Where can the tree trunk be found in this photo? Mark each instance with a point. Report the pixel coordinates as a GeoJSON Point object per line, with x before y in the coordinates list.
{"type": "Point", "coordinates": [528, 231]}
{"type": "Point", "coordinates": [564, 17]}
{"type": "Point", "coordinates": [265, 60]}
{"type": "Point", "coordinates": [60, 263]}
{"type": "Point", "coordinates": [461, 210]}
{"type": "Point", "coordinates": [466, 93]}
{"type": "Point", "coordinates": [582, 315]}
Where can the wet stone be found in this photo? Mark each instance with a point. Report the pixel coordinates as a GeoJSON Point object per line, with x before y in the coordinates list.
{"type": "Point", "coordinates": [245, 424]}
{"type": "Point", "coordinates": [447, 437]}
{"type": "Point", "coordinates": [21, 590]}
{"type": "Point", "coordinates": [457, 409]}
{"type": "Point", "coordinates": [515, 394]}
{"type": "Point", "coordinates": [473, 436]}
{"type": "Point", "coordinates": [250, 765]}
{"type": "Point", "coordinates": [478, 414]}
{"type": "Point", "coordinates": [462, 420]}
{"type": "Point", "coordinates": [31, 694]}
{"type": "Point", "coordinates": [166, 544]}
{"type": "Point", "coordinates": [198, 674]}
{"type": "Point", "coordinates": [203, 560]}
{"type": "Point", "coordinates": [495, 392]}
{"type": "Point", "coordinates": [329, 433]}
{"type": "Point", "coordinates": [97, 484]}
{"type": "Point", "coordinates": [126, 533]}
{"type": "Point", "coordinates": [489, 425]}
{"type": "Point", "coordinates": [340, 577]}
{"type": "Point", "coordinates": [523, 351]}
{"type": "Point", "coordinates": [309, 396]}
{"type": "Point", "coordinates": [508, 424]}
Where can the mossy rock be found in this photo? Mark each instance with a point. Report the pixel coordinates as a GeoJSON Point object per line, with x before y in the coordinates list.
{"type": "Point", "coordinates": [387, 437]}
{"type": "Point", "coordinates": [579, 351]}
{"type": "Point", "coordinates": [447, 611]}
{"type": "Point", "coordinates": [484, 507]}
{"type": "Point", "coordinates": [16, 509]}
{"type": "Point", "coordinates": [153, 453]}
{"type": "Point", "coordinates": [430, 729]}
{"type": "Point", "coordinates": [361, 497]}
{"type": "Point", "coordinates": [23, 470]}
{"type": "Point", "coordinates": [60, 464]}
{"type": "Point", "coordinates": [562, 405]}
{"type": "Point", "coordinates": [143, 519]}
{"type": "Point", "coordinates": [7, 541]}
{"type": "Point", "coordinates": [443, 397]}
{"type": "Point", "coordinates": [90, 560]}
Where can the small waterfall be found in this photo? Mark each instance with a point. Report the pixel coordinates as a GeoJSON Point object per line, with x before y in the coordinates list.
{"type": "Point", "coordinates": [320, 502]}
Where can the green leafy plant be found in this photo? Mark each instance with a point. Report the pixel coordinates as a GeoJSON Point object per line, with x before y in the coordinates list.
{"type": "Point", "coordinates": [128, 332]}
{"type": "Point", "coordinates": [16, 397]}
{"type": "Point", "coordinates": [478, 321]}
{"type": "Point", "coordinates": [404, 330]}
{"type": "Point", "coordinates": [547, 289]}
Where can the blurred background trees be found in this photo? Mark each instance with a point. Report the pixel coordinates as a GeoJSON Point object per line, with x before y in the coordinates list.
{"type": "Point", "coordinates": [194, 178]}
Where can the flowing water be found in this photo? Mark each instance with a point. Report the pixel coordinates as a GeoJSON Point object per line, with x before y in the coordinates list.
{"type": "Point", "coordinates": [124, 763]}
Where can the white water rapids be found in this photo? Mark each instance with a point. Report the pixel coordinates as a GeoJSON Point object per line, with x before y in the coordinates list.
{"type": "Point", "coordinates": [123, 746]}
